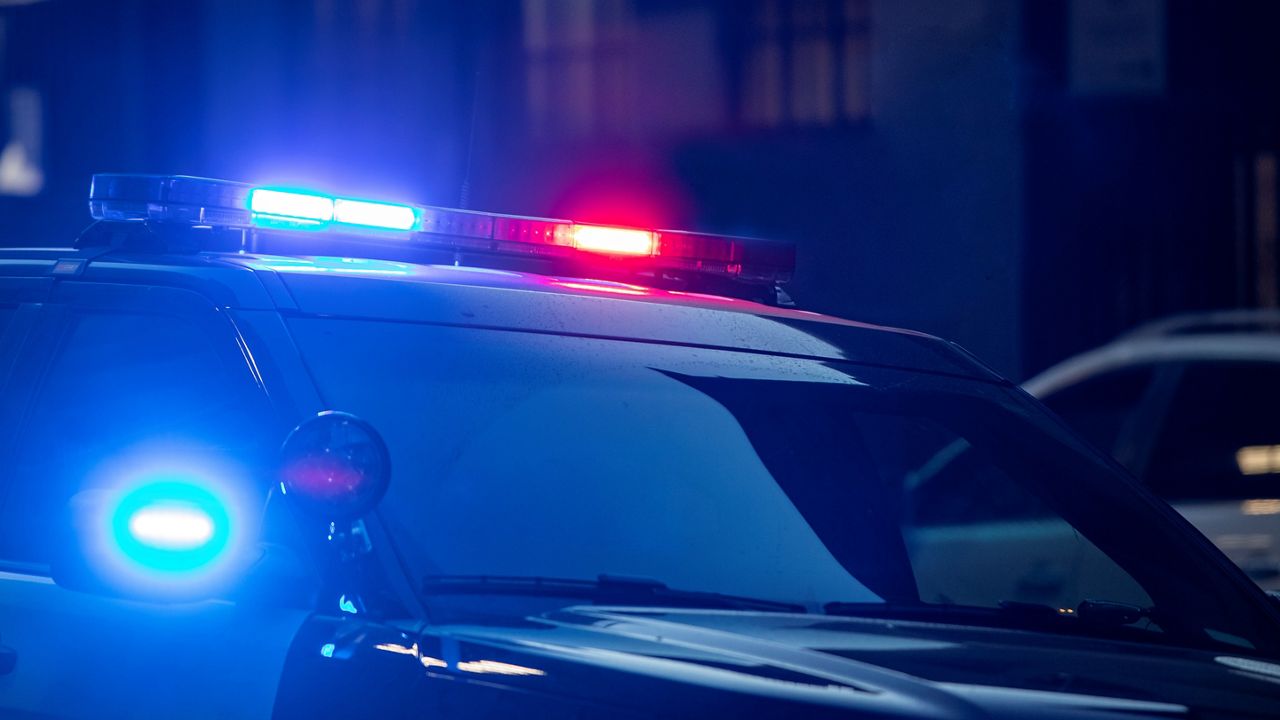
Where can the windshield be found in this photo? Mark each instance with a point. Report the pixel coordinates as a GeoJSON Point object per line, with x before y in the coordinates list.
{"type": "Point", "coordinates": [828, 486]}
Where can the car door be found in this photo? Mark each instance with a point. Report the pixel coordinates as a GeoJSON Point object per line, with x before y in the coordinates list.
{"type": "Point", "coordinates": [107, 379]}
{"type": "Point", "coordinates": [20, 304]}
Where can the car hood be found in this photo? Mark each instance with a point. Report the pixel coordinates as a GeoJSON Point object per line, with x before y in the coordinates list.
{"type": "Point", "coordinates": [695, 662]}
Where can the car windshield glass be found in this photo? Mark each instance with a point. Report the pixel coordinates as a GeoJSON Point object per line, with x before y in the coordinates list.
{"type": "Point", "coordinates": [822, 485]}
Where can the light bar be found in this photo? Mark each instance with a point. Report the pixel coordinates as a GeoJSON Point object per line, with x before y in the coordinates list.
{"type": "Point", "coordinates": [217, 203]}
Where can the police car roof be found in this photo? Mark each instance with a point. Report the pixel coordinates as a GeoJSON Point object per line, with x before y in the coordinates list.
{"type": "Point", "coordinates": [361, 288]}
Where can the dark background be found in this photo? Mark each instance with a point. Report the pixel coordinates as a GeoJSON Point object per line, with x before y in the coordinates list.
{"type": "Point", "coordinates": [1028, 178]}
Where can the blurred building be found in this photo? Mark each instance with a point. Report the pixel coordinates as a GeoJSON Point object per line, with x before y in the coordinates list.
{"type": "Point", "coordinates": [1150, 133]}
{"type": "Point", "coordinates": [1028, 178]}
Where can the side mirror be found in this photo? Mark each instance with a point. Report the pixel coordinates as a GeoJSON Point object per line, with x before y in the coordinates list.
{"type": "Point", "coordinates": [334, 467]}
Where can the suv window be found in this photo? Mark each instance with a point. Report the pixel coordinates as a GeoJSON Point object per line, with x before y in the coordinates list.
{"type": "Point", "coordinates": [117, 383]}
{"type": "Point", "coordinates": [958, 487]}
{"type": "Point", "coordinates": [571, 458]}
{"type": "Point", "coordinates": [1221, 435]}
{"type": "Point", "coordinates": [1104, 407]}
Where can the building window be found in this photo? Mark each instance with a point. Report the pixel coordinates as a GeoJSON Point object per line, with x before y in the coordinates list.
{"type": "Point", "coordinates": [807, 63]}
{"type": "Point", "coordinates": [622, 68]}
{"type": "Point", "coordinates": [577, 77]}
{"type": "Point", "coordinates": [21, 132]}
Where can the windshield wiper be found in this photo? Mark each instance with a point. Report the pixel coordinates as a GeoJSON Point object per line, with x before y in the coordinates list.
{"type": "Point", "coordinates": [1088, 615]}
{"type": "Point", "coordinates": [604, 590]}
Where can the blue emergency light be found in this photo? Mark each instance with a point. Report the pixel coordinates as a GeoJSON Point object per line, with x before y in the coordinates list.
{"type": "Point", "coordinates": [219, 203]}
{"type": "Point", "coordinates": [171, 526]}
{"type": "Point", "coordinates": [289, 207]}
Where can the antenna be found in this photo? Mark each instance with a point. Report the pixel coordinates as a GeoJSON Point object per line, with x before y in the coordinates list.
{"type": "Point", "coordinates": [464, 192]}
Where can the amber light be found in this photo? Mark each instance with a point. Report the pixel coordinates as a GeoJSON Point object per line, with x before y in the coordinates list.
{"type": "Point", "coordinates": [613, 240]}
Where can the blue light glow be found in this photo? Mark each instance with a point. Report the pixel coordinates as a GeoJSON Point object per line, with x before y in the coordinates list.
{"type": "Point", "coordinates": [374, 214]}
{"type": "Point", "coordinates": [346, 605]}
{"type": "Point", "coordinates": [167, 519]}
{"type": "Point", "coordinates": [290, 208]}
{"type": "Point", "coordinates": [339, 265]}
{"type": "Point", "coordinates": [326, 650]}
{"type": "Point", "coordinates": [171, 526]}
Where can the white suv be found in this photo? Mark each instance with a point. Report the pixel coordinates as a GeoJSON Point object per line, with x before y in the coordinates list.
{"type": "Point", "coordinates": [1191, 405]}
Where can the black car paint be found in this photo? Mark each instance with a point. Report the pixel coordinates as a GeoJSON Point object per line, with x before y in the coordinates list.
{"type": "Point", "coordinates": [591, 662]}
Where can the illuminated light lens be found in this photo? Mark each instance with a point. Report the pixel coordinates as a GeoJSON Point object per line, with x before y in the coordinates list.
{"type": "Point", "coordinates": [275, 205]}
{"type": "Point", "coordinates": [374, 214]}
{"type": "Point", "coordinates": [171, 526]}
{"type": "Point", "coordinates": [612, 240]}
{"type": "Point", "coordinates": [326, 650]}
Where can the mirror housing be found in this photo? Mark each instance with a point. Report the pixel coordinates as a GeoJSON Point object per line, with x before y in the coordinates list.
{"type": "Point", "coordinates": [334, 467]}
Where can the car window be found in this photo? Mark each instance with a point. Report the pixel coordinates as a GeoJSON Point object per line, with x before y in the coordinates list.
{"type": "Point", "coordinates": [1220, 439]}
{"type": "Point", "coordinates": [958, 487]}
{"type": "Point", "coordinates": [805, 483]}
{"type": "Point", "coordinates": [121, 389]}
{"type": "Point", "coordinates": [1103, 408]}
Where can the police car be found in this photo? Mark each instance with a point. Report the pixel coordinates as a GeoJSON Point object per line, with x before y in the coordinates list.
{"type": "Point", "coordinates": [1188, 404]}
{"type": "Point", "coordinates": [276, 453]}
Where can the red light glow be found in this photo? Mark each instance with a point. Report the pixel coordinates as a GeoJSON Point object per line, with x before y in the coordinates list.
{"type": "Point", "coordinates": [616, 288]}
{"type": "Point", "coordinates": [613, 240]}
{"type": "Point", "coordinates": [324, 477]}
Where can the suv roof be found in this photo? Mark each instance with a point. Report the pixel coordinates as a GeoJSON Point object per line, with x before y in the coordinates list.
{"type": "Point", "coordinates": [1220, 336]}
{"type": "Point", "coordinates": [374, 289]}
{"type": "Point", "coordinates": [1218, 322]}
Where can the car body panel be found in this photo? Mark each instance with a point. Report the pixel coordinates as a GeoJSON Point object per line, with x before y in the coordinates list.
{"type": "Point", "coordinates": [85, 656]}
{"type": "Point", "coordinates": [515, 301]}
{"type": "Point", "coordinates": [482, 297]}
{"type": "Point", "coordinates": [243, 660]}
{"type": "Point", "coordinates": [631, 662]}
